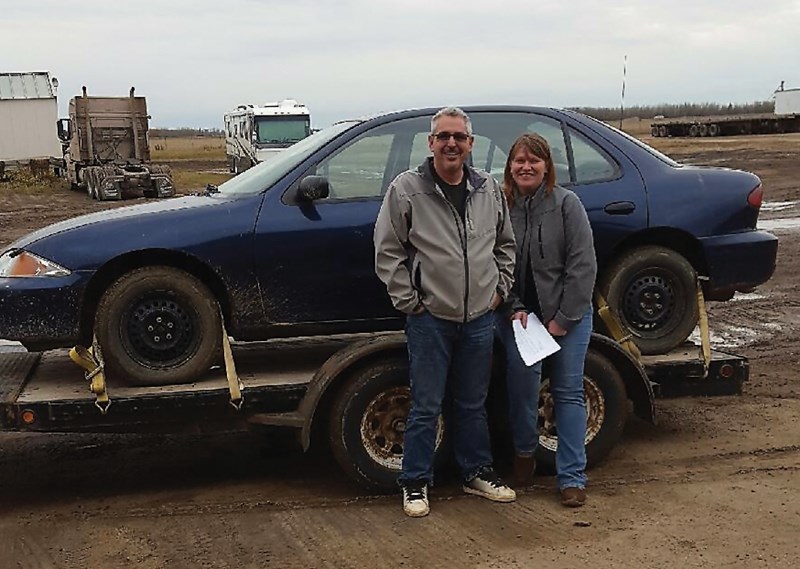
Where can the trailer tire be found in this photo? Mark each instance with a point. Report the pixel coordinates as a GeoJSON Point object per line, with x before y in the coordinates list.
{"type": "Point", "coordinates": [158, 326]}
{"type": "Point", "coordinates": [694, 130]}
{"type": "Point", "coordinates": [703, 130]}
{"type": "Point", "coordinates": [662, 131]}
{"type": "Point", "coordinates": [367, 424]}
{"type": "Point", "coordinates": [606, 412]}
{"type": "Point", "coordinates": [654, 132]}
{"type": "Point", "coordinates": [653, 292]}
{"type": "Point", "coordinates": [713, 130]}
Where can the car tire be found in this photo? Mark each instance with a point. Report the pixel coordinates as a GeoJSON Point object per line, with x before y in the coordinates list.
{"type": "Point", "coordinates": [158, 326]}
{"type": "Point", "coordinates": [653, 292]}
{"type": "Point", "coordinates": [367, 424]}
{"type": "Point", "coordinates": [606, 413]}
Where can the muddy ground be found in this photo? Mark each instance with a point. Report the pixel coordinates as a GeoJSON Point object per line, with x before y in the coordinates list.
{"type": "Point", "coordinates": [714, 484]}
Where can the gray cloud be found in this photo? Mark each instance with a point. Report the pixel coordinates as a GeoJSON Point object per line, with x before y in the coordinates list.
{"type": "Point", "coordinates": [196, 59]}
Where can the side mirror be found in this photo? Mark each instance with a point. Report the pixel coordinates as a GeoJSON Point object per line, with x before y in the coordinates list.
{"type": "Point", "coordinates": [313, 188]}
{"type": "Point", "coordinates": [64, 127]}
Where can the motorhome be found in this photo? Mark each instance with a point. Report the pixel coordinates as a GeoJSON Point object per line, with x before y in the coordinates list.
{"type": "Point", "coordinates": [254, 134]}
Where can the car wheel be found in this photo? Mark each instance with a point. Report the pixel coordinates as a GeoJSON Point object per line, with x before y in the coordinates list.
{"type": "Point", "coordinates": [368, 422]}
{"type": "Point", "coordinates": [158, 326]}
{"type": "Point", "coordinates": [606, 412]}
{"type": "Point", "coordinates": [653, 291]}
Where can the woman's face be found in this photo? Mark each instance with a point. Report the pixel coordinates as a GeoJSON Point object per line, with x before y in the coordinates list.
{"type": "Point", "coordinates": [527, 170]}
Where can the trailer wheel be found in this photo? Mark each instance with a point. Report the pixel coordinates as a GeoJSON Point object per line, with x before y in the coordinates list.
{"type": "Point", "coordinates": [653, 291]}
{"type": "Point", "coordinates": [694, 130]}
{"type": "Point", "coordinates": [713, 130]}
{"type": "Point", "coordinates": [368, 421]}
{"type": "Point", "coordinates": [606, 412]}
{"type": "Point", "coordinates": [158, 326]}
{"type": "Point", "coordinates": [662, 131]}
{"type": "Point", "coordinates": [91, 182]}
{"type": "Point", "coordinates": [654, 132]}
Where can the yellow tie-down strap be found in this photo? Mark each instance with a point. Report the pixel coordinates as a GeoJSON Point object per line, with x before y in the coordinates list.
{"type": "Point", "coordinates": [86, 358]}
{"type": "Point", "coordinates": [614, 327]}
{"type": "Point", "coordinates": [235, 385]}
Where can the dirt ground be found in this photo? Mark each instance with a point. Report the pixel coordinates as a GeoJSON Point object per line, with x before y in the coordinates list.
{"type": "Point", "coordinates": [713, 484]}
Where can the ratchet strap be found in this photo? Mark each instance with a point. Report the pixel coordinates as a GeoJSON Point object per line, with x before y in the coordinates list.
{"type": "Point", "coordinates": [615, 327]}
{"type": "Point", "coordinates": [89, 360]}
{"type": "Point", "coordinates": [234, 383]}
{"type": "Point", "coordinates": [705, 337]}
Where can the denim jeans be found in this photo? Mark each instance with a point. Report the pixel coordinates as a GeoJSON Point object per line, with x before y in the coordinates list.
{"type": "Point", "coordinates": [440, 350]}
{"type": "Point", "coordinates": [566, 388]}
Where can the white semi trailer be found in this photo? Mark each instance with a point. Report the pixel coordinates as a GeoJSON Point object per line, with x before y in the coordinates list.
{"type": "Point", "coordinates": [254, 134]}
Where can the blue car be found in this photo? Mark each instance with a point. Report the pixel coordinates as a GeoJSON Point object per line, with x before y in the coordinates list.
{"type": "Point", "coordinates": [285, 249]}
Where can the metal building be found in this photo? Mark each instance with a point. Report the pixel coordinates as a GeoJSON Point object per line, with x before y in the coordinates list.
{"type": "Point", "coordinates": [28, 114]}
{"type": "Point", "coordinates": [787, 102]}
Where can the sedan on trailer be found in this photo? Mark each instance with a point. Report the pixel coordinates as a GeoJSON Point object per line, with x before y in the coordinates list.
{"type": "Point", "coordinates": [285, 249]}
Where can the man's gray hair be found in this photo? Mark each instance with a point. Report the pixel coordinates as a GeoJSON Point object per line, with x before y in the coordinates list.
{"type": "Point", "coordinates": [451, 112]}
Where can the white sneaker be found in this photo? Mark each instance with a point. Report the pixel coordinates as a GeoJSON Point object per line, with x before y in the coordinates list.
{"type": "Point", "coordinates": [415, 499]}
{"type": "Point", "coordinates": [488, 485]}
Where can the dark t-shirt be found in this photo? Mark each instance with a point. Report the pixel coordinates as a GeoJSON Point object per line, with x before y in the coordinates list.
{"type": "Point", "coordinates": [456, 194]}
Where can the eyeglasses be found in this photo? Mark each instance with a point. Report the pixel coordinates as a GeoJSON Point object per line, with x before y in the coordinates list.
{"type": "Point", "coordinates": [445, 136]}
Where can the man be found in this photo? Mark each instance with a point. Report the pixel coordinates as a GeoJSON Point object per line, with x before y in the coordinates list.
{"type": "Point", "coordinates": [444, 247]}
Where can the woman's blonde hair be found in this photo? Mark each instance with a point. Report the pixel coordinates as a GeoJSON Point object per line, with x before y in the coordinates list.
{"type": "Point", "coordinates": [536, 145]}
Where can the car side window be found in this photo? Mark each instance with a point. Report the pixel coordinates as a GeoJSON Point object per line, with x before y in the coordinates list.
{"type": "Point", "coordinates": [365, 166]}
{"type": "Point", "coordinates": [591, 163]}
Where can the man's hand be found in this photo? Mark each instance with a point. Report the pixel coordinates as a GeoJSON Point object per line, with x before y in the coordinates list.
{"type": "Point", "coordinates": [522, 316]}
{"type": "Point", "coordinates": [496, 301]}
{"type": "Point", "coordinates": [555, 329]}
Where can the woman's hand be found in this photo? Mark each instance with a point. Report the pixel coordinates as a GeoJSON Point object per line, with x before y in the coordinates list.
{"type": "Point", "coordinates": [555, 329]}
{"type": "Point", "coordinates": [522, 316]}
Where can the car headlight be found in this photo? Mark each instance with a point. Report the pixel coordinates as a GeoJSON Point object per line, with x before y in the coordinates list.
{"type": "Point", "coordinates": [18, 263]}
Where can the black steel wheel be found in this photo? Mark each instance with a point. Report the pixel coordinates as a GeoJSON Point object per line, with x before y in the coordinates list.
{"type": "Point", "coordinates": [158, 326]}
{"type": "Point", "coordinates": [368, 421]}
{"type": "Point", "coordinates": [606, 412]}
{"type": "Point", "coordinates": [653, 291]}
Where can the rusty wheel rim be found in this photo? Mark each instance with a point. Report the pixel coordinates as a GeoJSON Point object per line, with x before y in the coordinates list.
{"type": "Point", "coordinates": [595, 413]}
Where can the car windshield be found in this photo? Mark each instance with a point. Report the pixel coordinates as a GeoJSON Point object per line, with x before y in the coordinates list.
{"type": "Point", "coordinates": [266, 174]}
{"type": "Point", "coordinates": [281, 130]}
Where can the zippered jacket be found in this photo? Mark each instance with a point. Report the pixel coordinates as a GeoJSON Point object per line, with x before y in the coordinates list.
{"type": "Point", "coordinates": [426, 254]}
{"type": "Point", "coordinates": [554, 238]}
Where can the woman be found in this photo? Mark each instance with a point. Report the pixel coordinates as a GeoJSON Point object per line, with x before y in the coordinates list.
{"type": "Point", "coordinates": [553, 279]}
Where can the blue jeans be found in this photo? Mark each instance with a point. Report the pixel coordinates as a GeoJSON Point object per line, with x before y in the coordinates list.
{"type": "Point", "coordinates": [566, 388]}
{"type": "Point", "coordinates": [439, 350]}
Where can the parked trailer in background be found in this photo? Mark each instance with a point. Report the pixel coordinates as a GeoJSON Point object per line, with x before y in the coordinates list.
{"type": "Point", "coordinates": [28, 112]}
{"type": "Point", "coordinates": [786, 118]}
{"type": "Point", "coordinates": [106, 149]}
{"type": "Point", "coordinates": [254, 134]}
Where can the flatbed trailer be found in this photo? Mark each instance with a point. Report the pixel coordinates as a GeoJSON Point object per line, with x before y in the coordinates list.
{"type": "Point", "coordinates": [351, 389]}
{"type": "Point", "coordinates": [763, 123]}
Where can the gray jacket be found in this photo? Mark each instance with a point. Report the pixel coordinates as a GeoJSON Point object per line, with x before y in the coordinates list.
{"type": "Point", "coordinates": [555, 239]}
{"type": "Point", "coordinates": [425, 253]}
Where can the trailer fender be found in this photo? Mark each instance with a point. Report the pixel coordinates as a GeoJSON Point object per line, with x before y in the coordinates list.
{"type": "Point", "coordinates": [336, 369]}
{"type": "Point", "coordinates": [637, 384]}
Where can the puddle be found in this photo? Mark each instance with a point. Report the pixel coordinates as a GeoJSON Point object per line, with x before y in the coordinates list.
{"type": "Point", "coordinates": [777, 206]}
{"type": "Point", "coordinates": [783, 223]}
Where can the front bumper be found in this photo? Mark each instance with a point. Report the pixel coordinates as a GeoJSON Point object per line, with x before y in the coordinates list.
{"type": "Point", "coordinates": [41, 311]}
{"type": "Point", "coordinates": [738, 262]}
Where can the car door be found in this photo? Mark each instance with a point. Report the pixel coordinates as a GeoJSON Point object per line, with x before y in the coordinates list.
{"type": "Point", "coordinates": [316, 260]}
{"type": "Point", "coordinates": [607, 183]}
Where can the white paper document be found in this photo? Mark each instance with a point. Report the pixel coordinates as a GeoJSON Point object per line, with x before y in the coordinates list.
{"type": "Point", "coordinates": [534, 342]}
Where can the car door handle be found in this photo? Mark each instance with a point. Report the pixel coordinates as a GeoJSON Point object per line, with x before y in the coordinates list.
{"type": "Point", "coordinates": [620, 208]}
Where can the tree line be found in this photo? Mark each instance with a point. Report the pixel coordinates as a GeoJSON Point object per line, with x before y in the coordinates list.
{"type": "Point", "coordinates": [669, 110]}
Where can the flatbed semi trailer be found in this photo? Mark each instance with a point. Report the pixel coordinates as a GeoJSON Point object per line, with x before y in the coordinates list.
{"type": "Point", "coordinates": [353, 390]}
{"type": "Point", "coordinates": [764, 123]}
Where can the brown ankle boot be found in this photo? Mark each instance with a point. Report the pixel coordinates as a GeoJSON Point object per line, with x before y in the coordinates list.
{"type": "Point", "coordinates": [524, 466]}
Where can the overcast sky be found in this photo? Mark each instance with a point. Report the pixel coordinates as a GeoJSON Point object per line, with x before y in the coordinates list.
{"type": "Point", "coordinates": [195, 59]}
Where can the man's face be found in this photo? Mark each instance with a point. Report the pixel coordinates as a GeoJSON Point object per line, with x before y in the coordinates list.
{"type": "Point", "coordinates": [450, 144]}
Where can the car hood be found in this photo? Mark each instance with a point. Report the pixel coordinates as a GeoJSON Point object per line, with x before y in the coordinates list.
{"type": "Point", "coordinates": [121, 214]}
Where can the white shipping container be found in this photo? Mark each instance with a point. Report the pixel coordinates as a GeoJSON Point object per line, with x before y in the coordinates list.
{"type": "Point", "coordinates": [787, 102]}
{"type": "Point", "coordinates": [28, 115]}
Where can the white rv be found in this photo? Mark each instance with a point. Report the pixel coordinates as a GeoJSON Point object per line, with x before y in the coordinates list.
{"type": "Point", "coordinates": [254, 134]}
